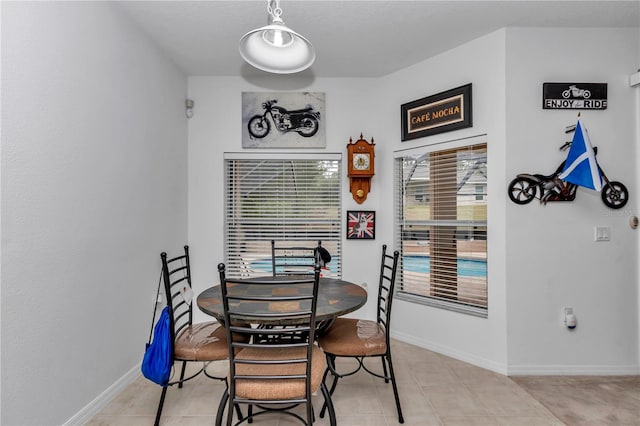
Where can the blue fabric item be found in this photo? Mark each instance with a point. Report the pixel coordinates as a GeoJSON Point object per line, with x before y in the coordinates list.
{"type": "Point", "coordinates": [581, 167]}
{"type": "Point", "coordinates": [157, 360]}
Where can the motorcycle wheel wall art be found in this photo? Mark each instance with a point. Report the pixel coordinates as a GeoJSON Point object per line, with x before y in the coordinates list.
{"type": "Point", "coordinates": [561, 185]}
{"type": "Point", "coordinates": [283, 120]}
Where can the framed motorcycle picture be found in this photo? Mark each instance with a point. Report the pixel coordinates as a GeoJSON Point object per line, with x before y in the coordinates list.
{"type": "Point", "coordinates": [283, 120]}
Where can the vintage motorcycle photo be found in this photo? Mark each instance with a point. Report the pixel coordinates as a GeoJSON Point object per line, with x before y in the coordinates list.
{"type": "Point", "coordinates": [303, 121]}
{"type": "Point", "coordinates": [525, 187]}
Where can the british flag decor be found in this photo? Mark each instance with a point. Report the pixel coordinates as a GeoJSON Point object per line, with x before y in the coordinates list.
{"type": "Point", "coordinates": [361, 225]}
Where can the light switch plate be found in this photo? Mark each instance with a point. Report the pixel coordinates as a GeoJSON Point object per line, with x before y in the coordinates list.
{"type": "Point", "coordinates": [602, 233]}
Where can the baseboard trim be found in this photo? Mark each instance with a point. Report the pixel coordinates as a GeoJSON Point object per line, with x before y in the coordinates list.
{"type": "Point", "coordinates": [101, 401]}
{"type": "Point", "coordinates": [453, 353]}
{"type": "Point", "coordinates": [574, 370]}
{"type": "Point", "coordinates": [521, 370]}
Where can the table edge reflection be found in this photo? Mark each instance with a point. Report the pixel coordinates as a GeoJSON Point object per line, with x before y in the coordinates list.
{"type": "Point", "coordinates": [349, 297]}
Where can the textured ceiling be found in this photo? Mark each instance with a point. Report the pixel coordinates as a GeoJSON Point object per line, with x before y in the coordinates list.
{"type": "Point", "coordinates": [357, 38]}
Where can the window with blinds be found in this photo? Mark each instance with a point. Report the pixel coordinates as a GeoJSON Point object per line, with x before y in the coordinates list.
{"type": "Point", "coordinates": [294, 200]}
{"type": "Point", "coordinates": [441, 226]}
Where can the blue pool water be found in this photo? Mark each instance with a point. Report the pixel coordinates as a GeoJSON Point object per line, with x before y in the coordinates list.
{"type": "Point", "coordinates": [466, 267]}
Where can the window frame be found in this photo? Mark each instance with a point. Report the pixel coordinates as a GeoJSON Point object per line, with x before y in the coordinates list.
{"type": "Point", "coordinates": [259, 246]}
{"type": "Point", "coordinates": [400, 225]}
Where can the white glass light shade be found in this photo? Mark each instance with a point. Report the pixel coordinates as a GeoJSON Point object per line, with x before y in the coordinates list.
{"type": "Point", "coordinates": [277, 49]}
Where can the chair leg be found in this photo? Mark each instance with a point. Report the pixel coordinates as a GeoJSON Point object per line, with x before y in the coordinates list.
{"type": "Point", "coordinates": [160, 405]}
{"type": "Point", "coordinates": [384, 369]}
{"type": "Point", "coordinates": [328, 403]}
{"type": "Point", "coordinates": [335, 376]}
{"type": "Point", "coordinates": [221, 407]}
{"type": "Point", "coordinates": [331, 367]}
{"type": "Point", "coordinates": [395, 388]}
{"type": "Point", "coordinates": [310, 415]}
{"type": "Point", "coordinates": [184, 368]}
{"type": "Point", "coordinates": [239, 412]}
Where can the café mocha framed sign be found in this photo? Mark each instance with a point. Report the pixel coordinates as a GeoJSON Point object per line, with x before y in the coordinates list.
{"type": "Point", "coordinates": [439, 113]}
{"type": "Point", "coordinates": [574, 95]}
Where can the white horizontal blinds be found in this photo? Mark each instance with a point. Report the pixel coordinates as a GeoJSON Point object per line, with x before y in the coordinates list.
{"type": "Point", "coordinates": [441, 212]}
{"type": "Point", "coordinates": [293, 201]}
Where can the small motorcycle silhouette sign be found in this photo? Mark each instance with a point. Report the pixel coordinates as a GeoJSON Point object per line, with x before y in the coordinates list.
{"type": "Point", "coordinates": [574, 96]}
{"type": "Point", "coordinates": [575, 92]}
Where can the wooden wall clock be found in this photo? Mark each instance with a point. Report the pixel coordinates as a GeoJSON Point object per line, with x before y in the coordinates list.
{"type": "Point", "coordinates": [360, 161]}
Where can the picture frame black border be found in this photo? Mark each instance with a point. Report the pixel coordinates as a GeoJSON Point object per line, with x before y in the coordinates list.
{"type": "Point", "coordinates": [361, 212]}
{"type": "Point", "coordinates": [599, 93]}
{"type": "Point", "coordinates": [467, 112]}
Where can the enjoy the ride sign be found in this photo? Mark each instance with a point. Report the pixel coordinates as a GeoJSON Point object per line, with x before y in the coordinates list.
{"type": "Point", "coordinates": [574, 95]}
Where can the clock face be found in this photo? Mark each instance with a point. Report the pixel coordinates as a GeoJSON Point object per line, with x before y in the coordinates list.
{"type": "Point", "coordinates": [361, 161]}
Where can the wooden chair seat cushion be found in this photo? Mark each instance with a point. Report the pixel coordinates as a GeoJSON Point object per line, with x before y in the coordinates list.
{"type": "Point", "coordinates": [354, 337]}
{"type": "Point", "coordinates": [202, 342]}
{"type": "Point", "coordinates": [278, 389]}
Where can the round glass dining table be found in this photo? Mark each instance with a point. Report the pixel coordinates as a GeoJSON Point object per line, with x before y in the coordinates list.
{"type": "Point", "coordinates": [335, 298]}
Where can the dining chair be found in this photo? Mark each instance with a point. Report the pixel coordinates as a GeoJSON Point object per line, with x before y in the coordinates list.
{"type": "Point", "coordinates": [362, 339]}
{"type": "Point", "coordinates": [201, 342]}
{"type": "Point", "coordinates": [283, 373]}
{"type": "Point", "coordinates": [294, 259]}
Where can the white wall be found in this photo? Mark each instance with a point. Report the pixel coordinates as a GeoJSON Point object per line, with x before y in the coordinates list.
{"type": "Point", "coordinates": [94, 176]}
{"type": "Point", "coordinates": [562, 265]}
{"type": "Point", "coordinates": [93, 188]}
{"type": "Point", "coordinates": [481, 341]}
{"type": "Point", "coordinates": [637, 143]}
{"type": "Point", "coordinates": [534, 250]}
{"type": "Point", "coordinates": [372, 107]}
{"type": "Point", "coordinates": [351, 109]}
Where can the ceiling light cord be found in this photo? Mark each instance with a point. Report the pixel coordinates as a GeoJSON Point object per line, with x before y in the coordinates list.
{"type": "Point", "coordinates": [274, 12]}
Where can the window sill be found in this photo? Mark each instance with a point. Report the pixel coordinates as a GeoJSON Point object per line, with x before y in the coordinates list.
{"type": "Point", "coordinates": [450, 306]}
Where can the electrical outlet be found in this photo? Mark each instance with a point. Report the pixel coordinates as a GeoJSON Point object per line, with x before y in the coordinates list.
{"type": "Point", "coordinates": [569, 318]}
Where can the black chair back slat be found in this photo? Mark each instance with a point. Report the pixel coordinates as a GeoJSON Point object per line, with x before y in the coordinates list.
{"type": "Point", "coordinates": [176, 275]}
{"type": "Point", "coordinates": [343, 339]}
{"type": "Point", "coordinates": [293, 259]}
{"type": "Point", "coordinates": [388, 268]}
{"type": "Point", "coordinates": [182, 269]}
{"type": "Point", "coordinates": [284, 342]}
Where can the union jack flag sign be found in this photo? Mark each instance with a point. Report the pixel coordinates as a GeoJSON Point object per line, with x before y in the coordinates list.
{"type": "Point", "coordinates": [361, 225]}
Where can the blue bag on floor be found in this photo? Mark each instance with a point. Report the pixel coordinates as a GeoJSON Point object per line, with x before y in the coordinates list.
{"type": "Point", "coordinates": [157, 360]}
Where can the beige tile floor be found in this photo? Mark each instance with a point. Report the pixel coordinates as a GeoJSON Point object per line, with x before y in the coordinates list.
{"type": "Point", "coordinates": [434, 390]}
{"type": "Point", "coordinates": [588, 400]}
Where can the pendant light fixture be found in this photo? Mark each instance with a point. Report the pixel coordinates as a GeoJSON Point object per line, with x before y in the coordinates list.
{"type": "Point", "coordinates": [276, 48]}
